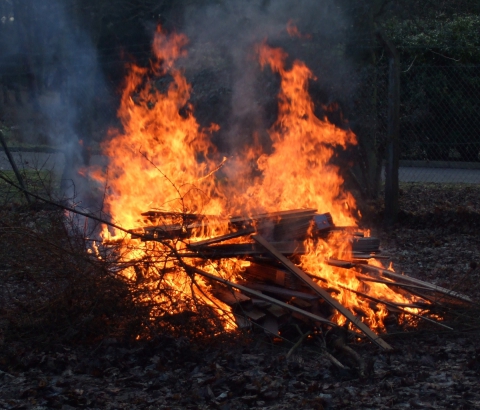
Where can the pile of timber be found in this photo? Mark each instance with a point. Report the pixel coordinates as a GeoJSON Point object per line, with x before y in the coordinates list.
{"type": "Point", "coordinates": [273, 291]}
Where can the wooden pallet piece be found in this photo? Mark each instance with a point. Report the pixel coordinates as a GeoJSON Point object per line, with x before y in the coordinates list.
{"type": "Point", "coordinates": [277, 311]}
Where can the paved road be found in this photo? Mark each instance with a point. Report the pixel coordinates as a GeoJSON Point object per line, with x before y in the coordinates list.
{"type": "Point", "coordinates": [442, 175]}
{"type": "Point", "coordinates": [56, 162]}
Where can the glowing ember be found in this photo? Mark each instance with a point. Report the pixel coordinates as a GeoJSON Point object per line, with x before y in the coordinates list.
{"type": "Point", "coordinates": [163, 161]}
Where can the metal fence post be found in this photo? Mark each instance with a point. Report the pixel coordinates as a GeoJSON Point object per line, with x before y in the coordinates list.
{"type": "Point", "coordinates": [393, 119]}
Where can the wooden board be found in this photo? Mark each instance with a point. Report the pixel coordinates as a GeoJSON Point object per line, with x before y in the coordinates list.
{"type": "Point", "coordinates": [277, 311]}
{"type": "Point", "coordinates": [283, 215]}
{"type": "Point", "coordinates": [268, 274]}
{"type": "Point", "coordinates": [408, 279]}
{"type": "Point", "coordinates": [228, 296]}
{"type": "Point", "coordinates": [365, 245]}
{"type": "Point", "coordinates": [179, 230]}
{"type": "Point", "coordinates": [222, 238]}
{"type": "Point", "coordinates": [323, 293]}
{"type": "Point", "coordinates": [254, 314]}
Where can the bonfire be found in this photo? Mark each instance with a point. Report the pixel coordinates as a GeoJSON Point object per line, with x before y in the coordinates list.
{"type": "Point", "coordinates": [261, 236]}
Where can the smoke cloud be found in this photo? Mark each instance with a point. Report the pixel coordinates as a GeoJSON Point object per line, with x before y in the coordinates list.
{"type": "Point", "coordinates": [57, 63]}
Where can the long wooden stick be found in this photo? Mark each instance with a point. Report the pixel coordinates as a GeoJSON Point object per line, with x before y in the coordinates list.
{"type": "Point", "coordinates": [259, 295]}
{"type": "Point", "coordinates": [322, 293]}
{"type": "Point", "coordinates": [404, 278]}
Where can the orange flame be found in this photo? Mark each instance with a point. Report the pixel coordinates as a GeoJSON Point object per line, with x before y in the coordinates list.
{"type": "Point", "coordinates": [293, 31]}
{"type": "Point", "coordinates": [158, 159]}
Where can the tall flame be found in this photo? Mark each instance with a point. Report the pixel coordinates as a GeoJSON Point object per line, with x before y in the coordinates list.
{"type": "Point", "coordinates": [298, 173]}
{"type": "Point", "coordinates": [158, 159]}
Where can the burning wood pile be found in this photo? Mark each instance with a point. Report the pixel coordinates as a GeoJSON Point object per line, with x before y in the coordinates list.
{"type": "Point", "coordinates": [279, 260]}
{"type": "Point", "coordinates": [272, 291]}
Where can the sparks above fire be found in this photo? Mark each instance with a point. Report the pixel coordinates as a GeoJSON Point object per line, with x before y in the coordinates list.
{"type": "Point", "coordinates": [262, 243]}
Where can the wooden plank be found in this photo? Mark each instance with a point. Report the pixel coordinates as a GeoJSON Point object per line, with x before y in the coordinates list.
{"type": "Point", "coordinates": [259, 295]}
{"type": "Point", "coordinates": [340, 263]}
{"type": "Point", "coordinates": [323, 293]}
{"type": "Point", "coordinates": [222, 238]}
{"type": "Point", "coordinates": [229, 297]}
{"type": "Point", "coordinates": [323, 222]}
{"type": "Point", "coordinates": [260, 303]}
{"type": "Point", "coordinates": [254, 314]}
{"type": "Point", "coordinates": [404, 278]}
{"type": "Point", "coordinates": [301, 303]}
{"type": "Point", "coordinates": [266, 273]}
{"type": "Point", "coordinates": [365, 245]}
{"type": "Point", "coordinates": [373, 255]}
{"type": "Point", "coordinates": [156, 215]}
{"type": "Point", "coordinates": [248, 249]}
{"type": "Point", "coordinates": [241, 321]}
{"type": "Point", "coordinates": [178, 230]}
{"type": "Point", "coordinates": [366, 278]}
{"type": "Point", "coordinates": [350, 264]}
{"type": "Point", "coordinates": [277, 311]}
{"type": "Point", "coordinates": [294, 213]}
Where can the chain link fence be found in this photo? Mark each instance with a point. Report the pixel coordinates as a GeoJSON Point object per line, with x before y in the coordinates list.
{"type": "Point", "coordinates": [439, 135]}
{"type": "Point", "coordinates": [439, 132]}
{"type": "Point", "coordinates": [440, 108]}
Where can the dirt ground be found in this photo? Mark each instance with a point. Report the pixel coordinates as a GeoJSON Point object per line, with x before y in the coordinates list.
{"type": "Point", "coordinates": [435, 239]}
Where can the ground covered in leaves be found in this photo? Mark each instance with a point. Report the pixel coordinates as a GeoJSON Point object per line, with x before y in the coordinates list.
{"type": "Point", "coordinates": [436, 239]}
